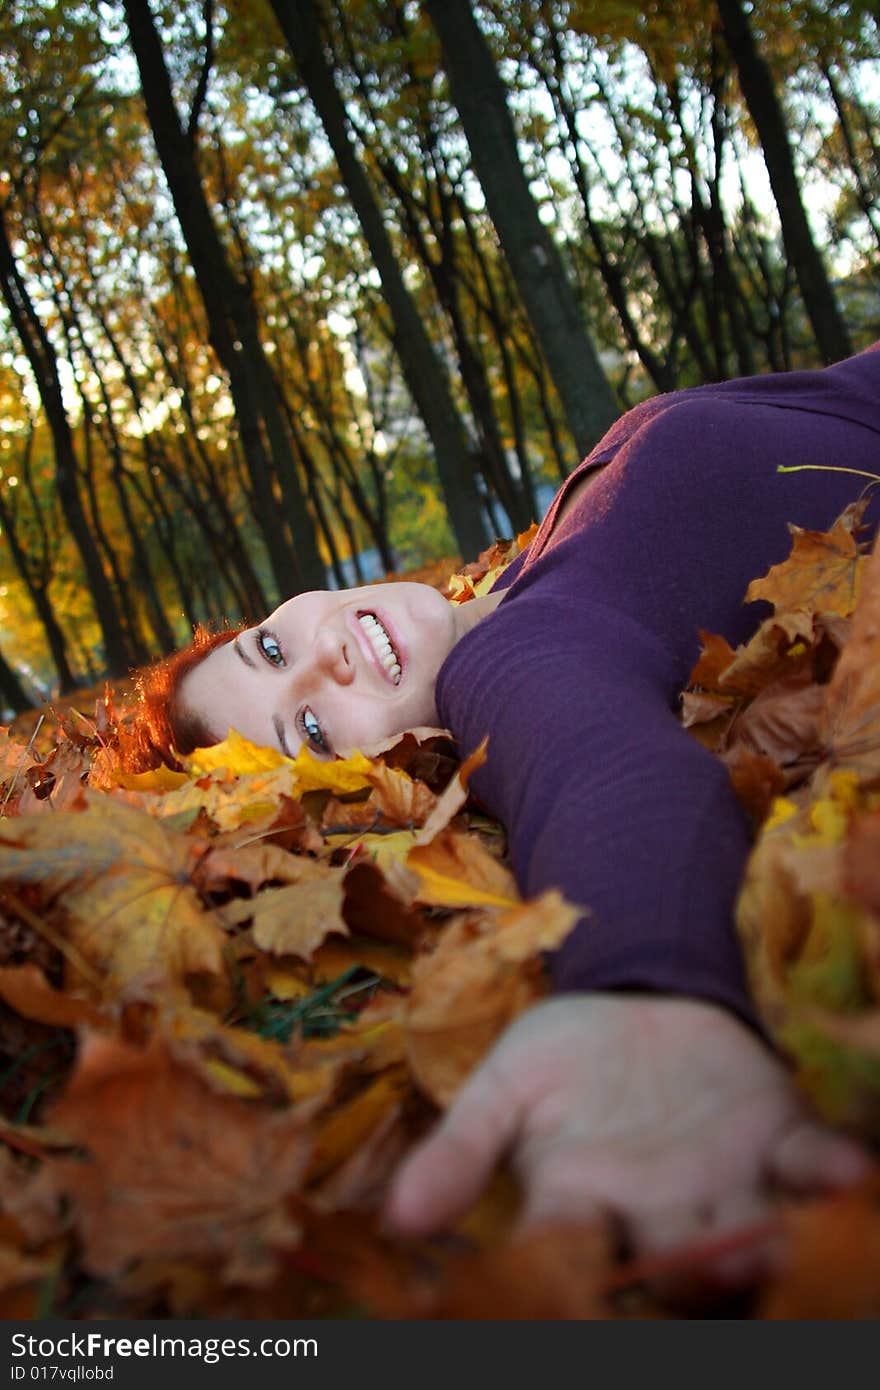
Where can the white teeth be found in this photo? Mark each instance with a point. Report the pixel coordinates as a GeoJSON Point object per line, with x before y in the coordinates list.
{"type": "Point", "coordinates": [381, 644]}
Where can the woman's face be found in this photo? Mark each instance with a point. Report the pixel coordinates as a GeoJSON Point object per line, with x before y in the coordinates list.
{"type": "Point", "coordinates": [335, 670]}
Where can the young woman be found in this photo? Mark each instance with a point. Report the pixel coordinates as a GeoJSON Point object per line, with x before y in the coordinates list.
{"type": "Point", "coordinates": [644, 1089]}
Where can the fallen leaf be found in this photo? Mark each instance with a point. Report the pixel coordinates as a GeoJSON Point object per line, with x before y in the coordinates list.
{"type": "Point", "coordinates": [351, 1124]}
{"type": "Point", "coordinates": [398, 798]}
{"type": "Point", "coordinates": [850, 724]}
{"type": "Point", "coordinates": [484, 971]}
{"type": "Point", "coordinates": [455, 871]}
{"type": "Point", "coordinates": [454, 797]}
{"type": "Point", "coordinates": [823, 572]}
{"type": "Point", "coordinates": [26, 989]}
{"type": "Point", "coordinates": [56, 784]}
{"type": "Point", "coordinates": [860, 873]}
{"type": "Point", "coordinates": [235, 755]}
{"type": "Point", "coordinates": [372, 908]}
{"type": "Point", "coordinates": [552, 1272]}
{"type": "Point", "coordinates": [828, 1266]}
{"type": "Point", "coordinates": [296, 919]}
{"type": "Point", "coordinates": [173, 1169]}
{"type": "Point", "coordinates": [133, 914]}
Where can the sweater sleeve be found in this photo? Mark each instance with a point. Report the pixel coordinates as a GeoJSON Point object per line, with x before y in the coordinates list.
{"type": "Point", "coordinates": [575, 679]}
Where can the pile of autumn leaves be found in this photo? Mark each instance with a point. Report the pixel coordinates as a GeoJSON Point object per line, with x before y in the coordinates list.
{"type": "Point", "coordinates": [234, 997]}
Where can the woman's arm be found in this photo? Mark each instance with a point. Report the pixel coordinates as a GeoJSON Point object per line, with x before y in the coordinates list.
{"type": "Point", "coordinates": [575, 679]}
{"type": "Point", "coordinates": [664, 1111]}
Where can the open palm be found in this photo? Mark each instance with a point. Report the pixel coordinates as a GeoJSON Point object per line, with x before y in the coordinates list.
{"type": "Point", "coordinates": [665, 1112]}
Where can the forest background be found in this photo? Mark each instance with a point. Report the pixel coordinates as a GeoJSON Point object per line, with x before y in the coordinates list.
{"type": "Point", "coordinates": [298, 292]}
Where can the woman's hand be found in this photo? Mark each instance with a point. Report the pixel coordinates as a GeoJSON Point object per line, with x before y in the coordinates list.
{"type": "Point", "coordinates": [666, 1112]}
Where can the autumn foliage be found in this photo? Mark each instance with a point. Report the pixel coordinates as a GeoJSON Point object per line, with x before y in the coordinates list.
{"type": "Point", "coordinates": [235, 996]}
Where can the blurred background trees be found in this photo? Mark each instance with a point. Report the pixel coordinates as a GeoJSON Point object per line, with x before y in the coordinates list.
{"type": "Point", "coordinates": [296, 292]}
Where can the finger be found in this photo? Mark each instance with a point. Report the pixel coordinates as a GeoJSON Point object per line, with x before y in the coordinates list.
{"type": "Point", "coordinates": [446, 1173]}
{"type": "Point", "coordinates": [809, 1159]}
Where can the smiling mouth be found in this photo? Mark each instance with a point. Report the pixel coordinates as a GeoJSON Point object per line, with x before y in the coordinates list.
{"type": "Point", "coordinates": [381, 646]}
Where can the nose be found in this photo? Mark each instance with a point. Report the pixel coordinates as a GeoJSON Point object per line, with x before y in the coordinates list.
{"type": "Point", "coordinates": [332, 656]}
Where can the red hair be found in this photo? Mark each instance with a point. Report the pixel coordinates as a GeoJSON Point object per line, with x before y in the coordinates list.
{"type": "Point", "coordinates": [160, 728]}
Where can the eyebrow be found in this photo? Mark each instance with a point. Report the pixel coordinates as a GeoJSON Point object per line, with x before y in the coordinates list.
{"type": "Point", "coordinates": [240, 651]}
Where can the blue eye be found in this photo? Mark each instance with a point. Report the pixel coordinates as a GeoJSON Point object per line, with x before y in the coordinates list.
{"type": "Point", "coordinates": [269, 647]}
{"type": "Point", "coordinates": [311, 731]}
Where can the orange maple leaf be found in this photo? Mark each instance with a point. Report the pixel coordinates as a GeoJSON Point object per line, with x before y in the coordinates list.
{"type": "Point", "coordinates": [173, 1169]}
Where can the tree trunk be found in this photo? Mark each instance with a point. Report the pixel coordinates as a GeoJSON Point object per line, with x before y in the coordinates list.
{"type": "Point", "coordinates": [41, 356]}
{"type": "Point", "coordinates": [107, 429]}
{"type": "Point", "coordinates": [535, 262]}
{"type": "Point", "coordinates": [12, 692]}
{"type": "Point", "coordinates": [233, 326]}
{"type": "Point", "coordinates": [759, 93]}
{"type": "Point", "coordinates": [423, 369]}
{"type": "Point", "coordinates": [43, 604]}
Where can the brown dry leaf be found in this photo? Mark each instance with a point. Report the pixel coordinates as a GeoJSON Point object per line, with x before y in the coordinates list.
{"type": "Point", "coordinates": [398, 798]}
{"type": "Point", "coordinates": [454, 797]}
{"type": "Point", "coordinates": [823, 572]}
{"type": "Point", "coordinates": [384, 1278]}
{"type": "Point", "coordinates": [13, 754]}
{"type": "Point", "coordinates": [454, 870]}
{"type": "Point", "coordinates": [861, 863]}
{"type": "Point", "coordinates": [18, 1270]}
{"type": "Point", "coordinates": [26, 989]}
{"type": "Point", "coordinates": [780, 728]}
{"type": "Point", "coordinates": [57, 783]}
{"type": "Point", "coordinates": [714, 659]}
{"type": "Point", "coordinates": [174, 1170]}
{"type": "Point", "coordinates": [296, 919]}
{"type": "Point", "coordinates": [829, 1265]}
{"type": "Point", "coordinates": [552, 1272]}
{"type": "Point", "coordinates": [427, 754]}
{"type": "Point", "coordinates": [767, 653]}
{"type": "Point", "coordinates": [756, 780]}
{"type": "Point", "coordinates": [850, 723]}
{"type": "Point", "coordinates": [132, 911]}
{"type": "Point", "coordinates": [705, 707]}
{"type": "Point", "coordinates": [254, 865]}
{"type": "Point", "coordinates": [372, 907]}
{"type": "Point", "coordinates": [484, 971]}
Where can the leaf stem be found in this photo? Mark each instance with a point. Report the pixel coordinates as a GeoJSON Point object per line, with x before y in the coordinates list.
{"type": "Point", "coordinates": [825, 468]}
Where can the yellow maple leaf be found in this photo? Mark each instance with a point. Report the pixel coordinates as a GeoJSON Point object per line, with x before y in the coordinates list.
{"type": "Point", "coordinates": [454, 870]}
{"type": "Point", "coordinates": [132, 912]}
{"type": "Point", "coordinates": [229, 801]}
{"type": "Point", "coordinates": [346, 1128]}
{"type": "Point", "coordinates": [160, 779]}
{"type": "Point", "coordinates": [350, 774]}
{"type": "Point", "coordinates": [236, 755]}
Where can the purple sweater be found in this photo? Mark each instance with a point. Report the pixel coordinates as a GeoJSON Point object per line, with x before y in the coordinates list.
{"type": "Point", "coordinates": [575, 676]}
